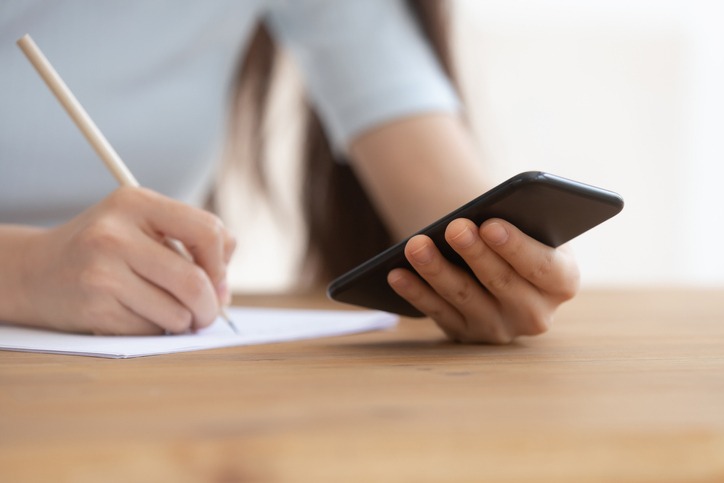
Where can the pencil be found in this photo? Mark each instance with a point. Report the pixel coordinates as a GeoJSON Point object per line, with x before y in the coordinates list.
{"type": "Point", "coordinates": [93, 135]}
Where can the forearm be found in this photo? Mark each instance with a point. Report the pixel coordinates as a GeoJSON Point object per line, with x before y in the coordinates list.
{"type": "Point", "coordinates": [15, 296]}
{"type": "Point", "coordinates": [417, 169]}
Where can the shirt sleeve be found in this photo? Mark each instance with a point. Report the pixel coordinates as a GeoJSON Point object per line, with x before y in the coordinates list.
{"type": "Point", "coordinates": [364, 62]}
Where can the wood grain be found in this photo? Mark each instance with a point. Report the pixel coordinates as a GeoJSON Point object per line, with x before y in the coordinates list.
{"type": "Point", "coordinates": [628, 386]}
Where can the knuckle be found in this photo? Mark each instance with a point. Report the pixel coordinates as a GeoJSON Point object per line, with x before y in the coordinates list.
{"type": "Point", "coordinates": [195, 284]}
{"type": "Point", "coordinates": [180, 320]}
{"type": "Point", "coordinates": [501, 281]}
{"type": "Point", "coordinates": [125, 197]}
{"type": "Point", "coordinates": [100, 237]}
{"type": "Point", "coordinates": [432, 271]}
{"type": "Point", "coordinates": [94, 281]}
{"type": "Point", "coordinates": [462, 294]}
{"type": "Point", "coordinates": [213, 226]}
{"type": "Point", "coordinates": [513, 248]}
{"type": "Point", "coordinates": [543, 268]}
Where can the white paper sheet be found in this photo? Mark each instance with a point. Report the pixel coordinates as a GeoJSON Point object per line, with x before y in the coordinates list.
{"type": "Point", "coordinates": [256, 326]}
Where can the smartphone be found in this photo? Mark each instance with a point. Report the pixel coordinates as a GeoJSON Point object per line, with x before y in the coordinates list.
{"type": "Point", "coordinates": [549, 208]}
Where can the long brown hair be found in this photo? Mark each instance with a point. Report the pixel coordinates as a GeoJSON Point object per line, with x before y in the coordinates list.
{"type": "Point", "coordinates": [343, 227]}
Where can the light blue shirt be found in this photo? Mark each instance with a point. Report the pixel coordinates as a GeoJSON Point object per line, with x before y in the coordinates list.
{"type": "Point", "coordinates": [155, 76]}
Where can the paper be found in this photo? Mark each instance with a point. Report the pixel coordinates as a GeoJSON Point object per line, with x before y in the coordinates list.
{"type": "Point", "coordinates": [256, 326]}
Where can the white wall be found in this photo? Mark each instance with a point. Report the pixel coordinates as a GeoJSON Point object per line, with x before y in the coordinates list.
{"type": "Point", "coordinates": [624, 94]}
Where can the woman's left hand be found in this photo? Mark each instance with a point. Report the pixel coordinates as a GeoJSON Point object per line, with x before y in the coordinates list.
{"type": "Point", "coordinates": [520, 282]}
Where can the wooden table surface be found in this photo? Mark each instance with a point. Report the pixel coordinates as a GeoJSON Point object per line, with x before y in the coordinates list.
{"type": "Point", "coordinates": [628, 386]}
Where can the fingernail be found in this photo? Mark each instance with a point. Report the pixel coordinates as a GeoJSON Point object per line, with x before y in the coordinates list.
{"type": "Point", "coordinates": [222, 291]}
{"type": "Point", "coordinates": [495, 233]}
{"type": "Point", "coordinates": [423, 255]}
{"type": "Point", "coordinates": [397, 279]}
{"type": "Point", "coordinates": [464, 238]}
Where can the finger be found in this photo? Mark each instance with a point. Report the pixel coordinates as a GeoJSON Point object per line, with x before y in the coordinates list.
{"type": "Point", "coordinates": [154, 304]}
{"type": "Point", "coordinates": [524, 308]}
{"type": "Point", "coordinates": [459, 289]}
{"type": "Point", "coordinates": [551, 270]}
{"type": "Point", "coordinates": [229, 246]}
{"type": "Point", "coordinates": [448, 280]}
{"type": "Point", "coordinates": [421, 296]}
{"type": "Point", "coordinates": [499, 277]}
{"type": "Point", "coordinates": [183, 280]}
{"type": "Point", "coordinates": [202, 233]}
{"type": "Point", "coordinates": [117, 319]}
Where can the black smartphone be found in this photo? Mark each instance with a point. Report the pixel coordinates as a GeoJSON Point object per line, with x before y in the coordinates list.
{"type": "Point", "coordinates": [549, 208]}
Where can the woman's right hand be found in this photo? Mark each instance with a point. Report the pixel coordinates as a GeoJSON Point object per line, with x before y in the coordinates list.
{"type": "Point", "coordinates": [109, 271]}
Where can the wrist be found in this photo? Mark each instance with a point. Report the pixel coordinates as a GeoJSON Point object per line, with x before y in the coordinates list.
{"type": "Point", "coordinates": [17, 272]}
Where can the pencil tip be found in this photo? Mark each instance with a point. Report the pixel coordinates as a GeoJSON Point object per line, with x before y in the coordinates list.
{"type": "Point", "coordinates": [228, 320]}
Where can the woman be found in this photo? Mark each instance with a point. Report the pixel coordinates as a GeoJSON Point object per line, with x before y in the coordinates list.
{"type": "Point", "coordinates": [387, 152]}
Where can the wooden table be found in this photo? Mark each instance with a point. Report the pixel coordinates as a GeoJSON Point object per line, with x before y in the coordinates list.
{"type": "Point", "coordinates": [628, 386]}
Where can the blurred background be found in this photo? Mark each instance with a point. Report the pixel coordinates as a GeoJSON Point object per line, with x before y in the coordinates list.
{"type": "Point", "coordinates": [624, 94]}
